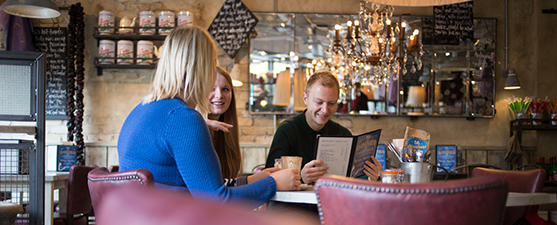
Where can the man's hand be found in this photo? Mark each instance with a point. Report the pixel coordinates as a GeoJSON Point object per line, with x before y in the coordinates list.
{"type": "Point", "coordinates": [216, 125]}
{"type": "Point", "coordinates": [372, 169]}
{"type": "Point", "coordinates": [261, 174]}
{"type": "Point", "coordinates": [313, 170]}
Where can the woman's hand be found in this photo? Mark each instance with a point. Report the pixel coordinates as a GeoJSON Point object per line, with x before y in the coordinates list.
{"type": "Point", "coordinates": [372, 169]}
{"type": "Point", "coordinates": [216, 125]}
{"type": "Point", "coordinates": [287, 179]}
{"type": "Point", "coordinates": [261, 174]}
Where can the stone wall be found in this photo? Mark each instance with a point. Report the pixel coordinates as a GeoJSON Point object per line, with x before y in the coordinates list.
{"type": "Point", "coordinates": [110, 97]}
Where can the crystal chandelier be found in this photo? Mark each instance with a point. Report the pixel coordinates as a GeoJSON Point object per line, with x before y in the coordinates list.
{"type": "Point", "coordinates": [375, 48]}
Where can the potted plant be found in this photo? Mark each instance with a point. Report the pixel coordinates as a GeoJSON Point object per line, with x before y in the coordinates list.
{"type": "Point", "coordinates": [520, 106]}
{"type": "Point", "coordinates": [552, 109]}
{"type": "Point", "coordinates": [538, 108]}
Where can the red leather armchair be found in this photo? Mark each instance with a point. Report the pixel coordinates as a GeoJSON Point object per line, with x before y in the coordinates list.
{"type": "Point", "coordinates": [529, 181]}
{"type": "Point", "coordinates": [101, 181]}
{"type": "Point", "coordinates": [149, 205]}
{"type": "Point", "coordinates": [467, 201]}
{"type": "Point", "coordinates": [78, 205]}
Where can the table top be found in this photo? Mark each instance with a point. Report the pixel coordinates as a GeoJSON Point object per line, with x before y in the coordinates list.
{"type": "Point", "coordinates": [513, 198]}
{"type": "Point", "coordinates": [48, 176]}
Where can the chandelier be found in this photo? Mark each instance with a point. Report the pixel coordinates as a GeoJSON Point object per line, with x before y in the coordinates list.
{"type": "Point", "coordinates": [375, 48]}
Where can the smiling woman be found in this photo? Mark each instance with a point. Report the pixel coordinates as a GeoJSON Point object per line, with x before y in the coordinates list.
{"type": "Point", "coordinates": [223, 109]}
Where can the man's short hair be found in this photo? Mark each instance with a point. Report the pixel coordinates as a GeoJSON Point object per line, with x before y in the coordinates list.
{"type": "Point", "coordinates": [325, 78]}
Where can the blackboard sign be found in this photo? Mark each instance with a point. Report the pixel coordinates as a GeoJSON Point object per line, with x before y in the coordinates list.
{"type": "Point", "coordinates": [453, 23]}
{"type": "Point", "coordinates": [52, 42]}
{"type": "Point", "coordinates": [427, 31]}
{"type": "Point", "coordinates": [446, 157]}
{"type": "Point", "coordinates": [66, 157]}
{"type": "Point", "coordinates": [232, 26]}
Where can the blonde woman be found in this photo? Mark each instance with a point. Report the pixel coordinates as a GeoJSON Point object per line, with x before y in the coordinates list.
{"type": "Point", "coordinates": [223, 122]}
{"type": "Point", "coordinates": [167, 136]}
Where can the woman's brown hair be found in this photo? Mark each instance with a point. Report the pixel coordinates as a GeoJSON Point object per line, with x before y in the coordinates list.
{"type": "Point", "coordinates": [229, 155]}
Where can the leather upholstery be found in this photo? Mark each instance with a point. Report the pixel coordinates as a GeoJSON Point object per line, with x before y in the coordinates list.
{"type": "Point", "coordinates": [529, 181]}
{"type": "Point", "coordinates": [149, 205]}
{"type": "Point", "coordinates": [113, 168]}
{"type": "Point", "coordinates": [79, 201]}
{"type": "Point", "coordinates": [101, 181]}
{"type": "Point", "coordinates": [476, 201]}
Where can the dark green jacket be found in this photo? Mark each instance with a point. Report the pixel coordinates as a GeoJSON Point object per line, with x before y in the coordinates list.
{"type": "Point", "coordinates": [294, 137]}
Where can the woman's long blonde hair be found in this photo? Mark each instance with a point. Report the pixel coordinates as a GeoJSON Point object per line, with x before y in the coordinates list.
{"type": "Point", "coordinates": [186, 68]}
{"type": "Point", "coordinates": [230, 156]}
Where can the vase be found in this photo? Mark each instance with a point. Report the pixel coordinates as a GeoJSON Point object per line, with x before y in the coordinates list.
{"type": "Point", "coordinates": [554, 119]}
{"type": "Point", "coordinates": [521, 116]}
{"type": "Point", "coordinates": [537, 119]}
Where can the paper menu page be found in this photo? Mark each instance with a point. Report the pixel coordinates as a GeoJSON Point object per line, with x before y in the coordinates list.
{"type": "Point", "coordinates": [366, 146]}
{"type": "Point", "coordinates": [335, 153]}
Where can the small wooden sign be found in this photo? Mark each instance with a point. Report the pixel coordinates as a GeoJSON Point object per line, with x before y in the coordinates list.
{"type": "Point", "coordinates": [66, 157]}
{"type": "Point", "coordinates": [381, 155]}
{"type": "Point", "coordinates": [446, 156]}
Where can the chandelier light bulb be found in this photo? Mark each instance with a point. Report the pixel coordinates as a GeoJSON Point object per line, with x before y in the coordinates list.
{"type": "Point", "coordinates": [349, 23]}
{"type": "Point", "coordinates": [388, 21]}
{"type": "Point", "coordinates": [416, 32]}
{"type": "Point", "coordinates": [356, 23]}
{"type": "Point", "coordinates": [403, 24]}
{"type": "Point", "coordinates": [314, 61]}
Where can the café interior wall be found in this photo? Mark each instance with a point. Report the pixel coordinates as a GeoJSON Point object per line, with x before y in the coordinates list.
{"type": "Point", "coordinates": [110, 97]}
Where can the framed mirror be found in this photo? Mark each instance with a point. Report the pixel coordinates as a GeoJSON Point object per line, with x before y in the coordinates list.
{"type": "Point", "coordinates": [445, 80]}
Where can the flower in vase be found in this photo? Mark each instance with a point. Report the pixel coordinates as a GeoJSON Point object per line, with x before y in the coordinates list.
{"type": "Point", "coordinates": [520, 105]}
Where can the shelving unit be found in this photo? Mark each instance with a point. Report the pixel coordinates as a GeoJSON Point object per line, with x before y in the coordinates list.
{"type": "Point", "coordinates": [520, 125]}
{"type": "Point", "coordinates": [134, 37]}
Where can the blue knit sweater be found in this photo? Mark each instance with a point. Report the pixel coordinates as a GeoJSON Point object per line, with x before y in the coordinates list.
{"type": "Point", "coordinates": [171, 140]}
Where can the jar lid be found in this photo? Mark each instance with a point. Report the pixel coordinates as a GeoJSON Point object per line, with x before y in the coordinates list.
{"type": "Point", "coordinates": [391, 171]}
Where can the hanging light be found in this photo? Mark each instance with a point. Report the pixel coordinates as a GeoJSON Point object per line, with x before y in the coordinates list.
{"type": "Point", "coordinates": [417, 3]}
{"type": "Point", "coordinates": [37, 9]}
{"type": "Point", "coordinates": [512, 83]}
{"type": "Point", "coordinates": [376, 47]}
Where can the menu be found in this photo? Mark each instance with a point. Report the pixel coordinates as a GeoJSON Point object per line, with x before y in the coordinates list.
{"type": "Point", "coordinates": [453, 23]}
{"type": "Point", "coordinates": [346, 156]}
{"type": "Point", "coordinates": [52, 42]}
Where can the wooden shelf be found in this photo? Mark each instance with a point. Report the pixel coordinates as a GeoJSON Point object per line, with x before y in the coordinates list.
{"type": "Point", "coordinates": [18, 129]}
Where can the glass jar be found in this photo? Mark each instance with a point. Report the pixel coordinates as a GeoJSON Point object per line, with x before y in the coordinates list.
{"type": "Point", "coordinates": [392, 176]}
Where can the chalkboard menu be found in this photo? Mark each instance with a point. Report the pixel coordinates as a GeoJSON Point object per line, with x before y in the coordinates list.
{"type": "Point", "coordinates": [232, 26]}
{"type": "Point", "coordinates": [453, 23]}
{"type": "Point", "coordinates": [427, 31]}
{"type": "Point", "coordinates": [52, 42]}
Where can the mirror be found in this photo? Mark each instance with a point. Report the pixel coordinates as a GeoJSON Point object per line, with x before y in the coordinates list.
{"type": "Point", "coordinates": [451, 80]}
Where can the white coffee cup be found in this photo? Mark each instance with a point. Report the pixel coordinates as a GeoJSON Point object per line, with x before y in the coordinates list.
{"type": "Point", "coordinates": [185, 18]}
{"type": "Point", "coordinates": [106, 51]}
{"type": "Point", "coordinates": [144, 52]}
{"type": "Point", "coordinates": [147, 23]}
{"type": "Point", "coordinates": [125, 52]}
{"type": "Point", "coordinates": [166, 22]}
{"type": "Point", "coordinates": [106, 22]}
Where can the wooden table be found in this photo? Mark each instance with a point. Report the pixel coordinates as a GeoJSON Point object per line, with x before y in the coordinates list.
{"type": "Point", "coordinates": [19, 184]}
{"type": "Point", "coordinates": [513, 198]}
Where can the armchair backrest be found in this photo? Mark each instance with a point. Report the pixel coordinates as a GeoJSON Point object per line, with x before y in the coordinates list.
{"type": "Point", "coordinates": [344, 200]}
{"type": "Point", "coordinates": [101, 181]}
{"type": "Point", "coordinates": [529, 181]}
{"type": "Point", "coordinates": [79, 200]}
{"type": "Point", "coordinates": [150, 205]}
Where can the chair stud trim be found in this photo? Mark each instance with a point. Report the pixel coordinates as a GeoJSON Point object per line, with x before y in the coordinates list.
{"type": "Point", "coordinates": [398, 190]}
{"type": "Point", "coordinates": [119, 178]}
